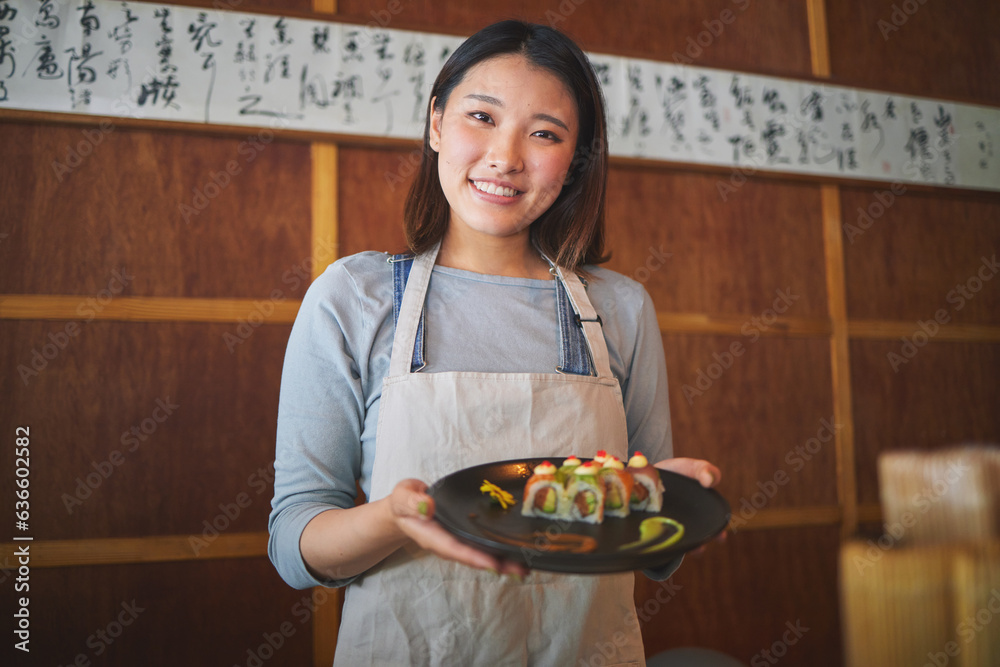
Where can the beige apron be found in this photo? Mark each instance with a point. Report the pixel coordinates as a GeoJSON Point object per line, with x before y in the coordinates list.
{"type": "Point", "coordinates": [414, 608]}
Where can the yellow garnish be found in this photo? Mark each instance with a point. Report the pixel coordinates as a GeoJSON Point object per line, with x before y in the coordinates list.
{"type": "Point", "coordinates": [652, 529]}
{"type": "Point", "coordinates": [503, 497]}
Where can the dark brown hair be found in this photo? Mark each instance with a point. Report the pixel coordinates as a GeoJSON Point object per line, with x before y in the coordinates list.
{"type": "Point", "coordinates": [571, 231]}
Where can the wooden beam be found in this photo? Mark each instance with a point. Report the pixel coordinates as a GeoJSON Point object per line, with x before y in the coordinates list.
{"type": "Point", "coordinates": [819, 44]}
{"type": "Point", "coordinates": [325, 204]}
{"type": "Point", "coordinates": [145, 309]}
{"type": "Point", "coordinates": [889, 330]}
{"type": "Point", "coordinates": [788, 517]}
{"type": "Point", "coordinates": [734, 325]}
{"type": "Point", "coordinates": [179, 309]}
{"type": "Point", "coordinates": [152, 549]}
{"type": "Point", "coordinates": [840, 361]}
{"type": "Point", "coordinates": [836, 294]}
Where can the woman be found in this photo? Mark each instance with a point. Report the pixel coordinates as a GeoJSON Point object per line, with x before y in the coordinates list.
{"type": "Point", "coordinates": [478, 349]}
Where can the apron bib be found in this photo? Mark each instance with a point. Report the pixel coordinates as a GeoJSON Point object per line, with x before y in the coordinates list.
{"type": "Point", "coordinates": [414, 608]}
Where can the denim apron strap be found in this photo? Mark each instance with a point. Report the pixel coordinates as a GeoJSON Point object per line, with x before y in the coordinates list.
{"type": "Point", "coordinates": [574, 358]}
{"type": "Point", "coordinates": [401, 265]}
{"type": "Point", "coordinates": [409, 316]}
{"type": "Point", "coordinates": [584, 319]}
{"type": "Point", "coordinates": [574, 355]}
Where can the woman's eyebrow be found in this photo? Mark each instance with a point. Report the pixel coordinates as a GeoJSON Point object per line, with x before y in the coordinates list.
{"type": "Point", "coordinates": [489, 99]}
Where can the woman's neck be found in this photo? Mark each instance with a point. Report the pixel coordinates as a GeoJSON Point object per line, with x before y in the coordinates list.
{"type": "Point", "coordinates": [509, 256]}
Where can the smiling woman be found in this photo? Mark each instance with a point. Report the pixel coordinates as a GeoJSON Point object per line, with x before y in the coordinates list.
{"type": "Point", "coordinates": [503, 155]}
{"type": "Point", "coordinates": [482, 345]}
{"type": "Point", "coordinates": [530, 98]}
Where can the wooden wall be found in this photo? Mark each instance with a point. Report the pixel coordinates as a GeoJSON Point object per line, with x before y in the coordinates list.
{"type": "Point", "coordinates": [142, 319]}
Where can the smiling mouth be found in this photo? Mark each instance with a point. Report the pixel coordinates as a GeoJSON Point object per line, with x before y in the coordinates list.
{"type": "Point", "coordinates": [493, 189]}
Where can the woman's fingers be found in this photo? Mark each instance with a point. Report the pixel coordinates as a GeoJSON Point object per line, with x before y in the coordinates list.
{"type": "Point", "coordinates": [707, 474]}
{"type": "Point", "coordinates": [431, 536]}
{"type": "Point", "coordinates": [410, 500]}
{"type": "Point", "coordinates": [413, 510]}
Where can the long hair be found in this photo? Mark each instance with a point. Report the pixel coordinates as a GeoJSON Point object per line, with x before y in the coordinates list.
{"type": "Point", "coordinates": [571, 231]}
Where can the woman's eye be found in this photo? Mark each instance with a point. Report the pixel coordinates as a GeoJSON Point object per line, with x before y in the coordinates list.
{"type": "Point", "coordinates": [545, 134]}
{"type": "Point", "coordinates": [481, 115]}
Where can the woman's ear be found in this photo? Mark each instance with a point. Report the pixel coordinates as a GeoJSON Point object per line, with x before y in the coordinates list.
{"type": "Point", "coordinates": [435, 127]}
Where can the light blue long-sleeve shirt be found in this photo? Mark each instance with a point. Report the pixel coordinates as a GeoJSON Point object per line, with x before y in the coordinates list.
{"type": "Point", "coordinates": [338, 354]}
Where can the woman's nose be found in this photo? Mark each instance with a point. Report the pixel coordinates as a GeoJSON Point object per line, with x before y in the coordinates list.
{"type": "Point", "coordinates": [504, 153]}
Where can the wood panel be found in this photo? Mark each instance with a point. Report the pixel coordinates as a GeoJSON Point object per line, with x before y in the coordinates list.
{"type": "Point", "coordinates": [374, 183]}
{"type": "Point", "coordinates": [147, 549]}
{"type": "Point", "coordinates": [192, 424]}
{"type": "Point", "coordinates": [933, 49]}
{"type": "Point", "coordinates": [273, 309]}
{"type": "Point", "coordinates": [763, 420]}
{"type": "Point", "coordinates": [207, 613]}
{"type": "Point", "coordinates": [689, 31]}
{"type": "Point", "coordinates": [696, 252]}
{"type": "Point", "coordinates": [737, 597]}
{"type": "Point", "coordinates": [214, 217]}
{"type": "Point", "coordinates": [946, 393]}
{"type": "Point", "coordinates": [909, 255]}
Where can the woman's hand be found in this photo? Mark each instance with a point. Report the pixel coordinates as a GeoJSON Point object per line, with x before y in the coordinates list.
{"type": "Point", "coordinates": [702, 471]}
{"type": "Point", "coordinates": [412, 510]}
{"type": "Point", "coordinates": [698, 469]}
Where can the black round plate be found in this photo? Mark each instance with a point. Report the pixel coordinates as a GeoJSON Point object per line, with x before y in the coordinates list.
{"type": "Point", "coordinates": [474, 518]}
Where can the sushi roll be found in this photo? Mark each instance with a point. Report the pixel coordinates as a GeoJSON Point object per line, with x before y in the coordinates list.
{"type": "Point", "coordinates": [585, 494]}
{"type": "Point", "coordinates": [600, 457]}
{"type": "Point", "coordinates": [647, 492]}
{"type": "Point", "coordinates": [565, 472]}
{"type": "Point", "coordinates": [544, 496]}
{"type": "Point", "coordinates": [617, 487]}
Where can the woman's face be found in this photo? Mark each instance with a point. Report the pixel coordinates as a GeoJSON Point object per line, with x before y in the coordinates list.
{"type": "Point", "coordinates": [505, 142]}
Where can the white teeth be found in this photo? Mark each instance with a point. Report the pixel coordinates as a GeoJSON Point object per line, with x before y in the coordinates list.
{"type": "Point", "coordinates": [492, 189]}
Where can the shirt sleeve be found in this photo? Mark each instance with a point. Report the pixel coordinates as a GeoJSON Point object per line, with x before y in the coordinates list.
{"type": "Point", "coordinates": [647, 404]}
{"type": "Point", "coordinates": [645, 393]}
{"type": "Point", "coordinates": [320, 416]}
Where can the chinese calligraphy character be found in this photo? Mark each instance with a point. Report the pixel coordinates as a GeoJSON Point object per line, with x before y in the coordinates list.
{"type": "Point", "coordinates": [88, 21]}
{"type": "Point", "coordinates": [321, 39]}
